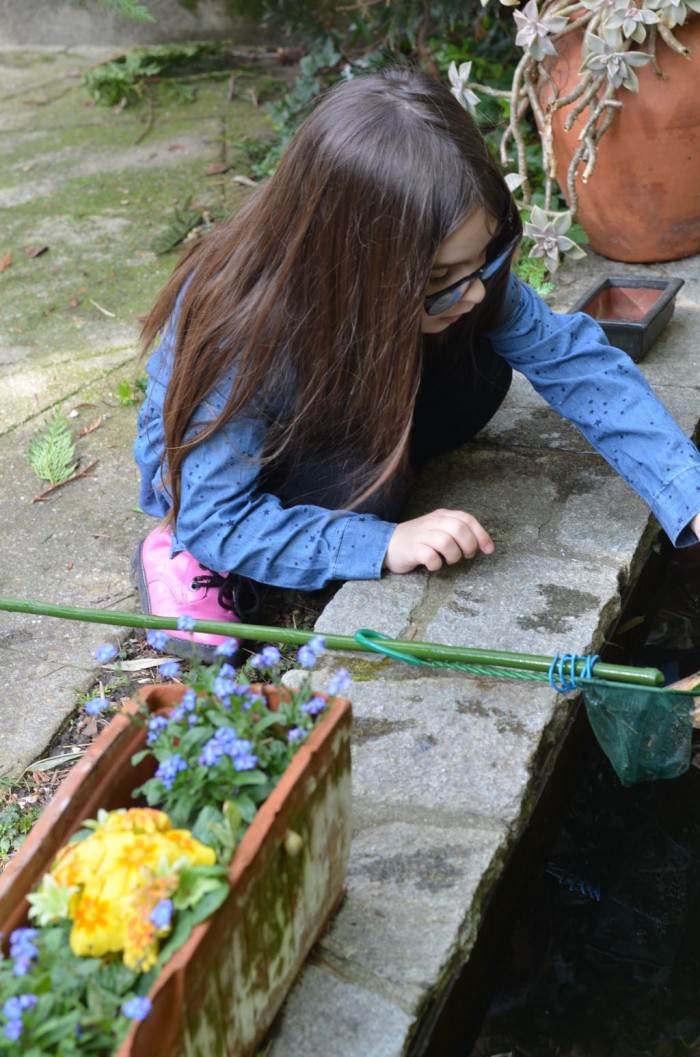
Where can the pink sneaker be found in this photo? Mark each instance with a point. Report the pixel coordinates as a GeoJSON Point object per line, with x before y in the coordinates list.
{"type": "Point", "coordinates": [180, 586]}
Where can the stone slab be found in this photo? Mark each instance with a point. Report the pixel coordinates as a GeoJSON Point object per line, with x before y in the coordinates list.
{"type": "Point", "coordinates": [450, 747]}
{"type": "Point", "coordinates": [412, 907]}
{"type": "Point", "coordinates": [72, 548]}
{"type": "Point", "coordinates": [326, 1014]}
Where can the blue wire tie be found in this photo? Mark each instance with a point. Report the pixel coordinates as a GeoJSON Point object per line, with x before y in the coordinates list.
{"type": "Point", "coordinates": [562, 671]}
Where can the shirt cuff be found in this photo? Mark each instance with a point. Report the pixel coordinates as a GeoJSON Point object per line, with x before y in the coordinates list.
{"type": "Point", "coordinates": [362, 547]}
{"type": "Point", "coordinates": [676, 505]}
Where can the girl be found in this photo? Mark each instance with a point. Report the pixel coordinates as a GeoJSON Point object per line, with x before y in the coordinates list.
{"type": "Point", "coordinates": [356, 317]}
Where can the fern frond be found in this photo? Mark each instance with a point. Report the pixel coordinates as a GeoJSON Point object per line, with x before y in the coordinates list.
{"type": "Point", "coordinates": [128, 9]}
{"type": "Point", "coordinates": [183, 221]}
{"type": "Point", "coordinates": [51, 451]}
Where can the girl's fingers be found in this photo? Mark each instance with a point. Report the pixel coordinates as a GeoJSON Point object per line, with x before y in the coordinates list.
{"type": "Point", "coordinates": [442, 537]}
{"type": "Point", "coordinates": [468, 533]}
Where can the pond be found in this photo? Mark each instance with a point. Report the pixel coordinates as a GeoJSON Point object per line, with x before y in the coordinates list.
{"type": "Point", "coordinates": [604, 956]}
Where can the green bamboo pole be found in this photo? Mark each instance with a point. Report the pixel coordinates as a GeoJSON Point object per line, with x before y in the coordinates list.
{"type": "Point", "coordinates": [429, 651]}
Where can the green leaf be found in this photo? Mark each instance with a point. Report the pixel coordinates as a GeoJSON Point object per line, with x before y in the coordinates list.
{"type": "Point", "coordinates": [251, 778]}
{"type": "Point", "coordinates": [128, 9]}
{"type": "Point", "coordinates": [187, 919]}
{"type": "Point", "coordinates": [267, 721]}
{"type": "Point", "coordinates": [51, 451]}
{"type": "Point", "coordinates": [196, 882]}
{"type": "Point", "coordinates": [183, 221]}
{"type": "Point", "coordinates": [51, 901]}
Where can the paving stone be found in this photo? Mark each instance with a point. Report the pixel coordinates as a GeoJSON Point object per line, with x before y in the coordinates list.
{"type": "Point", "coordinates": [326, 1015]}
{"type": "Point", "coordinates": [411, 911]}
{"type": "Point", "coordinates": [458, 748]}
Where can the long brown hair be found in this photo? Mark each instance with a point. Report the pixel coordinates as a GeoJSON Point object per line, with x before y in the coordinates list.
{"type": "Point", "coordinates": [315, 286]}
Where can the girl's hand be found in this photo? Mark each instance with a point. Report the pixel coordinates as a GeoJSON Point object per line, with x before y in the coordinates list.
{"type": "Point", "coordinates": [445, 536]}
{"type": "Point", "coordinates": [695, 525]}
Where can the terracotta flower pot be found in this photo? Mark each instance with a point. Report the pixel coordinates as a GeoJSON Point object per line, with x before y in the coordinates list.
{"type": "Point", "coordinates": [220, 992]}
{"type": "Point", "coordinates": [642, 200]}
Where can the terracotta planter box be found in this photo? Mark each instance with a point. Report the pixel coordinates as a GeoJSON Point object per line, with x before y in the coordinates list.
{"type": "Point", "coordinates": [218, 995]}
{"type": "Point", "coordinates": [632, 312]}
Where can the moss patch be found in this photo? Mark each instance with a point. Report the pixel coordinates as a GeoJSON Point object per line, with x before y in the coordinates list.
{"type": "Point", "coordinates": [97, 187]}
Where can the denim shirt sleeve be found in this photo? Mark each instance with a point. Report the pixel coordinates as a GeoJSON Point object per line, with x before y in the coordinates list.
{"type": "Point", "coordinates": [227, 523]}
{"type": "Point", "coordinates": [571, 364]}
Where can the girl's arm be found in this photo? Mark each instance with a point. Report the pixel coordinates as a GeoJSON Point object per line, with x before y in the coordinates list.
{"type": "Point", "coordinates": [569, 361]}
{"type": "Point", "coordinates": [228, 524]}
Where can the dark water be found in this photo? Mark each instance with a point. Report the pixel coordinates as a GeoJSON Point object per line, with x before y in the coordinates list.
{"type": "Point", "coordinates": [604, 960]}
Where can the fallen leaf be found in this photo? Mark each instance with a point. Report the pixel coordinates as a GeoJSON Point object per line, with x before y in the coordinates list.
{"type": "Point", "coordinates": [55, 761]}
{"type": "Point", "coordinates": [288, 56]}
{"type": "Point", "coordinates": [217, 169]}
{"type": "Point", "coordinates": [5, 261]}
{"type": "Point", "coordinates": [35, 251]}
{"type": "Point", "coordinates": [38, 777]}
{"type": "Point", "coordinates": [89, 429]}
{"type": "Point", "coordinates": [89, 730]}
{"type": "Point", "coordinates": [52, 488]}
{"type": "Point", "coordinates": [104, 311]}
{"type": "Point", "coordinates": [137, 665]}
{"type": "Point", "coordinates": [73, 303]}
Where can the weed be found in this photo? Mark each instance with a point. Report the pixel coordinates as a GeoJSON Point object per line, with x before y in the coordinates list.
{"type": "Point", "coordinates": [255, 153]}
{"type": "Point", "coordinates": [128, 9]}
{"type": "Point", "coordinates": [15, 823]}
{"type": "Point", "coordinates": [131, 391]}
{"type": "Point", "coordinates": [125, 78]}
{"type": "Point", "coordinates": [184, 220]}
{"type": "Point", "coordinates": [51, 451]}
{"type": "Point", "coordinates": [533, 270]}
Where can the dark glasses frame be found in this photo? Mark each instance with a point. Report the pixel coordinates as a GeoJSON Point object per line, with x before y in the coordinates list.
{"type": "Point", "coordinates": [439, 302]}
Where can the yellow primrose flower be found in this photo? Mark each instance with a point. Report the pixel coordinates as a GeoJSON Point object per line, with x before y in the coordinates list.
{"type": "Point", "coordinates": [137, 820]}
{"type": "Point", "coordinates": [120, 873]}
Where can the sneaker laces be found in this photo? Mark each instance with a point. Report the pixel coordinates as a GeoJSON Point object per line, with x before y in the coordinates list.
{"type": "Point", "coordinates": [236, 594]}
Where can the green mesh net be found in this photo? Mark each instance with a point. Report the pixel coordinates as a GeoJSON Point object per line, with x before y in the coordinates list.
{"type": "Point", "coordinates": [645, 732]}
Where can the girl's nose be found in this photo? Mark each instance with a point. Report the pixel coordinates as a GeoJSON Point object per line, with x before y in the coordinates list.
{"type": "Point", "coordinates": [474, 294]}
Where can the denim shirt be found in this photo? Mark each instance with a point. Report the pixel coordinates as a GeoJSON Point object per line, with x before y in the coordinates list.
{"type": "Point", "coordinates": [230, 525]}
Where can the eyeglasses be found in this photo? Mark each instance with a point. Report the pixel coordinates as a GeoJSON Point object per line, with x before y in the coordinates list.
{"type": "Point", "coordinates": [439, 302]}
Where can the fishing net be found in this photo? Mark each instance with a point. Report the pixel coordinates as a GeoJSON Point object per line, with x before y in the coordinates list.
{"type": "Point", "coordinates": [645, 731]}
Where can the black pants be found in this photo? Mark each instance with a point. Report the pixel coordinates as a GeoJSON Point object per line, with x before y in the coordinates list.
{"type": "Point", "coordinates": [460, 391]}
